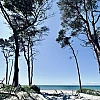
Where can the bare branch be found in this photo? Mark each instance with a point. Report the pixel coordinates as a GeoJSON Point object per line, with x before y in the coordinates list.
{"type": "Point", "coordinates": [97, 19]}
{"type": "Point", "coordinates": [96, 11]}
{"type": "Point", "coordinates": [85, 45]}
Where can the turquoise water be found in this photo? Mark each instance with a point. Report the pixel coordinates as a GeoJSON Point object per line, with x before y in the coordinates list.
{"type": "Point", "coordinates": [67, 87]}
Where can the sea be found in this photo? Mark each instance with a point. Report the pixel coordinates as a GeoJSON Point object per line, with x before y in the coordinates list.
{"type": "Point", "coordinates": [67, 87]}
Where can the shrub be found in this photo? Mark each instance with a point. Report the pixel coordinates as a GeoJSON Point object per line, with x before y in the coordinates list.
{"type": "Point", "coordinates": [32, 88]}
{"type": "Point", "coordinates": [35, 88]}
{"type": "Point", "coordinates": [90, 91]}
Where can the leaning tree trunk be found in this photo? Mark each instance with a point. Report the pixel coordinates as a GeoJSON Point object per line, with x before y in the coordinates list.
{"type": "Point", "coordinates": [77, 66]}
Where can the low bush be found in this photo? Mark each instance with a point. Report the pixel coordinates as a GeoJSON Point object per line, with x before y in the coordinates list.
{"type": "Point", "coordinates": [90, 91]}
{"type": "Point", "coordinates": [10, 89]}
{"type": "Point", "coordinates": [31, 88]}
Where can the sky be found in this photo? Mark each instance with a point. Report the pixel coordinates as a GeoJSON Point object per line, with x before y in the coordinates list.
{"type": "Point", "coordinates": [52, 65]}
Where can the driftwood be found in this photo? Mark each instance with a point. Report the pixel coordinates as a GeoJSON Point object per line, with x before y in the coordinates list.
{"type": "Point", "coordinates": [30, 96]}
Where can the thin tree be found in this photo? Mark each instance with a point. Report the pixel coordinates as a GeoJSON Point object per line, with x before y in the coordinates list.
{"type": "Point", "coordinates": [82, 17]}
{"type": "Point", "coordinates": [28, 42]}
{"type": "Point", "coordinates": [65, 41]}
{"type": "Point", "coordinates": [10, 72]}
{"type": "Point", "coordinates": [7, 50]}
{"type": "Point", "coordinates": [16, 70]}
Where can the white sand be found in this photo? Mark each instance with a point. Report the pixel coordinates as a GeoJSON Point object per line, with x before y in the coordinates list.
{"type": "Point", "coordinates": [64, 96]}
{"type": "Point", "coordinates": [91, 97]}
{"type": "Point", "coordinates": [70, 92]}
{"type": "Point", "coordinates": [25, 96]}
{"type": "Point", "coordinates": [58, 91]}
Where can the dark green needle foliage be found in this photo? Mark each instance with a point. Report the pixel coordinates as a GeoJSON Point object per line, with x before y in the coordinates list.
{"type": "Point", "coordinates": [82, 17]}
{"type": "Point", "coordinates": [62, 39]}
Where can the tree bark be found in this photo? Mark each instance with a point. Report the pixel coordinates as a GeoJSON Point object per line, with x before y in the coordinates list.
{"type": "Point", "coordinates": [10, 72]}
{"type": "Point", "coordinates": [77, 66]}
{"type": "Point", "coordinates": [6, 70]}
{"type": "Point", "coordinates": [31, 65]}
{"type": "Point", "coordinates": [6, 58]}
{"type": "Point", "coordinates": [28, 62]}
{"type": "Point", "coordinates": [16, 69]}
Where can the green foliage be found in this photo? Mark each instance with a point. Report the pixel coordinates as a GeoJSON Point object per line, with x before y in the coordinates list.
{"type": "Point", "coordinates": [10, 89]}
{"type": "Point", "coordinates": [25, 14]}
{"type": "Point", "coordinates": [35, 88]}
{"type": "Point", "coordinates": [6, 46]}
{"type": "Point", "coordinates": [90, 91]}
{"type": "Point", "coordinates": [32, 88]}
{"type": "Point", "coordinates": [24, 88]}
{"type": "Point", "coordinates": [24, 6]}
{"type": "Point", "coordinates": [4, 96]}
{"type": "Point", "coordinates": [63, 39]}
{"type": "Point", "coordinates": [7, 88]}
{"type": "Point", "coordinates": [4, 43]}
{"type": "Point", "coordinates": [76, 15]}
{"type": "Point", "coordinates": [82, 17]}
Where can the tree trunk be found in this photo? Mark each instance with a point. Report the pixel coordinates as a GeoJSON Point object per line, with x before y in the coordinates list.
{"type": "Point", "coordinates": [31, 65]}
{"type": "Point", "coordinates": [28, 63]}
{"type": "Point", "coordinates": [77, 66]}
{"type": "Point", "coordinates": [16, 70]}
{"type": "Point", "coordinates": [29, 72]}
{"type": "Point", "coordinates": [27, 58]}
{"type": "Point", "coordinates": [10, 72]}
{"type": "Point", "coordinates": [97, 56]}
{"type": "Point", "coordinates": [6, 70]}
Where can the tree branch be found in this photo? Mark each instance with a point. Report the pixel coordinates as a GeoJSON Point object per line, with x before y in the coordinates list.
{"type": "Point", "coordinates": [97, 19]}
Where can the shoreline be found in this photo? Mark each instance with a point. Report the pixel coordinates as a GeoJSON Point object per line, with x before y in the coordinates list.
{"type": "Point", "coordinates": [68, 87]}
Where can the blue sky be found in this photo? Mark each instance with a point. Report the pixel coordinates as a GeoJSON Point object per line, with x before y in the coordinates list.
{"type": "Point", "coordinates": [53, 65]}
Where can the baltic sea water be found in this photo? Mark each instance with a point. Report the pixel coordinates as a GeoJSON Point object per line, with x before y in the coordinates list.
{"type": "Point", "coordinates": [67, 87]}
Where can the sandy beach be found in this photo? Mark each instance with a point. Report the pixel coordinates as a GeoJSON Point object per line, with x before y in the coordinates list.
{"type": "Point", "coordinates": [53, 95]}
{"type": "Point", "coordinates": [59, 91]}
{"type": "Point", "coordinates": [73, 95]}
